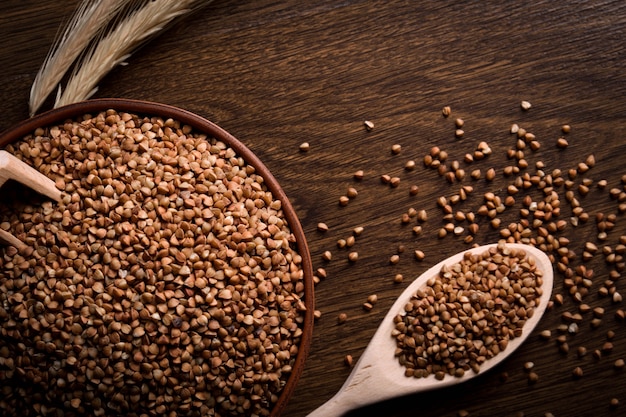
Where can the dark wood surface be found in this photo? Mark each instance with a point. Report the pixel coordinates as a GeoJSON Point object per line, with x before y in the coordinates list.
{"type": "Point", "coordinates": [277, 74]}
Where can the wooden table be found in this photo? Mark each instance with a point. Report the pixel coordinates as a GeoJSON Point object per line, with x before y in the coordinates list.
{"type": "Point", "coordinates": [278, 74]}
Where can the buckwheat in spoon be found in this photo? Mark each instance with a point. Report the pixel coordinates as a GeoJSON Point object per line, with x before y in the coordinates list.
{"type": "Point", "coordinates": [461, 317]}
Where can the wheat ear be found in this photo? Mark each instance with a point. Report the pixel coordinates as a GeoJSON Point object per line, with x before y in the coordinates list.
{"type": "Point", "coordinates": [117, 45]}
{"type": "Point", "coordinates": [89, 18]}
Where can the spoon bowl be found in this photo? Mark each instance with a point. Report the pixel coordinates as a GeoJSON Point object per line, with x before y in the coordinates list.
{"type": "Point", "coordinates": [378, 375]}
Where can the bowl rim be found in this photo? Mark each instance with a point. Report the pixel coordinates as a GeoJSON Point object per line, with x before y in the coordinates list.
{"type": "Point", "coordinates": [200, 124]}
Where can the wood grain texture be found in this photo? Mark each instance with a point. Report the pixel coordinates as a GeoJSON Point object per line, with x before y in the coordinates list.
{"type": "Point", "coordinates": [276, 74]}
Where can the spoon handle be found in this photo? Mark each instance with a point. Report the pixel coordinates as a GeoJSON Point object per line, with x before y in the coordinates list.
{"type": "Point", "coordinates": [366, 384]}
{"type": "Point", "coordinates": [8, 238]}
{"type": "Point", "coordinates": [12, 168]}
{"type": "Point", "coordinates": [373, 379]}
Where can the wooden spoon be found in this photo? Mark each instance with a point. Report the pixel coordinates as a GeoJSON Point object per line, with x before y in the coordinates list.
{"type": "Point", "coordinates": [12, 168]}
{"type": "Point", "coordinates": [379, 376]}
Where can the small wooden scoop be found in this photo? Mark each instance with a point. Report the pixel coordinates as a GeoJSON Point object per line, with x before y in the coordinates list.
{"type": "Point", "coordinates": [12, 168]}
{"type": "Point", "coordinates": [378, 375]}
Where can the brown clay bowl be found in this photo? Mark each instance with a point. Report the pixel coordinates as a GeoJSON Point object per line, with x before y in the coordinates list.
{"type": "Point", "coordinates": [202, 125]}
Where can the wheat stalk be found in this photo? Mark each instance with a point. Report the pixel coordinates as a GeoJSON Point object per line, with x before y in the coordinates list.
{"type": "Point", "coordinates": [118, 44]}
{"type": "Point", "coordinates": [89, 18]}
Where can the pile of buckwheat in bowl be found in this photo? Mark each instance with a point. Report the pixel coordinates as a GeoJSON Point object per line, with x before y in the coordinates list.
{"type": "Point", "coordinates": [172, 279]}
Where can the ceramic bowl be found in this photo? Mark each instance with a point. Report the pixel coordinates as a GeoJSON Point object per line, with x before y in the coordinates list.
{"type": "Point", "coordinates": [200, 125]}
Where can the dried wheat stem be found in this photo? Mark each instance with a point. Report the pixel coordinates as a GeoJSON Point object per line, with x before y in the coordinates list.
{"type": "Point", "coordinates": [117, 45]}
{"type": "Point", "coordinates": [88, 19]}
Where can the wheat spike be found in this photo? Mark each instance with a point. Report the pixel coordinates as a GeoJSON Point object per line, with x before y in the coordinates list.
{"type": "Point", "coordinates": [114, 47]}
{"type": "Point", "coordinates": [89, 18]}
